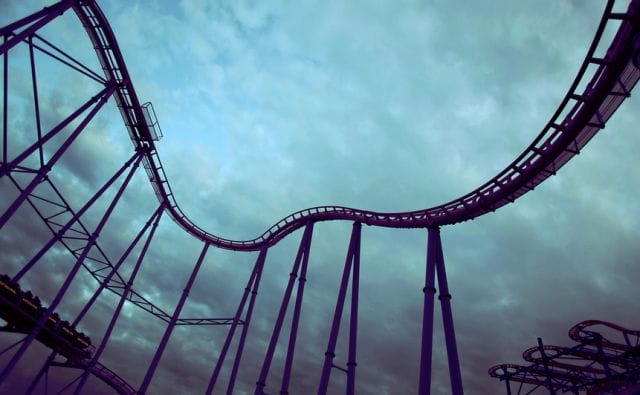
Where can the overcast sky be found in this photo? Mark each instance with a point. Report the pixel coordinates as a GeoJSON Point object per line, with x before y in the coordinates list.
{"type": "Point", "coordinates": [271, 107]}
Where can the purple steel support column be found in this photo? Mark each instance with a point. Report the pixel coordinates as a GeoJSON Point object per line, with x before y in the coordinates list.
{"type": "Point", "coordinates": [337, 316]}
{"type": "Point", "coordinates": [429, 291]}
{"type": "Point", "coordinates": [5, 100]}
{"type": "Point", "coordinates": [42, 172]}
{"type": "Point", "coordinates": [165, 338]}
{"type": "Point", "coordinates": [305, 246]}
{"type": "Point", "coordinates": [247, 321]}
{"type": "Point", "coordinates": [353, 321]}
{"type": "Point", "coordinates": [264, 372]}
{"type": "Point", "coordinates": [74, 270]}
{"type": "Point", "coordinates": [34, 83]}
{"type": "Point", "coordinates": [7, 166]}
{"type": "Point", "coordinates": [545, 362]}
{"type": "Point", "coordinates": [636, 52]}
{"type": "Point", "coordinates": [116, 313]}
{"type": "Point", "coordinates": [234, 325]}
{"type": "Point", "coordinates": [45, 16]}
{"type": "Point", "coordinates": [137, 157]}
{"type": "Point", "coordinates": [447, 320]}
{"type": "Point", "coordinates": [603, 359]}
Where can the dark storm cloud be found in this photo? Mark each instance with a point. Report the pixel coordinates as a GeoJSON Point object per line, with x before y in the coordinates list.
{"type": "Point", "coordinates": [269, 108]}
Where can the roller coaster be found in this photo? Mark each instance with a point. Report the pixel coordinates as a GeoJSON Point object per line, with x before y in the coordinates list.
{"type": "Point", "coordinates": [596, 365]}
{"type": "Point", "coordinates": [16, 303]}
{"type": "Point", "coordinates": [603, 82]}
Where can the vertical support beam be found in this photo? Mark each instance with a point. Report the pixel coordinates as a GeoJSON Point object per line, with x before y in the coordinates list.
{"type": "Point", "coordinates": [335, 328]}
{"type": "Point", "coordinates": [5, 105]}
{"type": "Point", "coordinates": [604, 361]}
{"type": "Point", "coordinates": [174, 318]}
{"type": "Point", "coordinates": [74, 270]}
{"type": "Point", "coordinates": [305, 246]}
{"type": "Point", "coordinates": [247, 322]}
{"type": "Point", "coordinates": [227, 343]}
{"type": "Point", "coordinates": [447, 320]}
{"type": "Point", "coordinates": [266, 365]}
{"type": "Point", "coordinates": [353, 321]}
{"type": "Point", "coordinates": [429, 291]}
{"type": "Point", "coordinates": [36, 102]}
{"type": "Point", "coordinates": [116, 314]}
{"type": "Point", "coordinates": [8, 166]}
{"type": "Point", "coordinates": [44, 170]}
{"type": "Point", "coordinates": [635, 57]}
{"type": "Point", "coordinates": [508, 384]}
{"type": "Point", "coordinates": [545, 362]}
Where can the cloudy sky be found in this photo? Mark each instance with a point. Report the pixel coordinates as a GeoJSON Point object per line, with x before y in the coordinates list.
{"type": "Point", "coordinates": [271, 107]}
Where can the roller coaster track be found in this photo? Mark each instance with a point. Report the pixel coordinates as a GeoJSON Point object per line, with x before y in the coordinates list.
{"type": "Point", "coordinates": [578, 118]}
{"type": "Point", "coordinates": [602, 83]}
{"type": "Point", "coordinates": [595, 364]}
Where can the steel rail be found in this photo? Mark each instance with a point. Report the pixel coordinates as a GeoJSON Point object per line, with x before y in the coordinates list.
{"type": "Point", "coordinates": [578, 118]}
{"type": "Point", "coordinates": [103, 373]}
{"type": "Point", "coordinates": [579, 333]}
{"type": "Point", "coordinates": [593, 364]}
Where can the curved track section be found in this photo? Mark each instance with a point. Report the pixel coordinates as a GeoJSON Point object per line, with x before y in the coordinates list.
{"type": "Point", "coordinates": [108, 376]}
{"type": "Point", "coordinates": [597, 364]}
{"type": "Point", "coordinates": [580, 333]}
{"type": "Point", "coordinates": [580, 116]}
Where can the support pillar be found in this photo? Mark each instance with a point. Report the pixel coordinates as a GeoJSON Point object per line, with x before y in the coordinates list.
{"type": "Point", "coordinates": [301, 257]}
{"type": "Point", "coordinates": [429, 291]}
{"type": "Point", "coordinates": [7, 166]}
{"type": "Point", "coordinates": [435, 264]}
{"type": "Point", "coordinates": [247, 322]}
{"type": "Point", "coordinates": [508, 384]}
{"type": "Point", "coordinates": [44, 170]}
{"type": "Point", "coordinates": [297, 309]}
{"type": "Point", "coordinates": [36, 102]}
{"type": "Point", "coordinates": [353, 320]}
{"type": "Point", "coordinates": [174, 318]}
{"type": "Point", "coordinates": [5, 109]}
{"type": "Point", "coordinates": [447, 320]}
{"type": "Point", "coordinates": [353, 254]}
{"type": "Point", "coordinates": [547, 373]}
{"type": "Point", "coordinates": [254, 279]}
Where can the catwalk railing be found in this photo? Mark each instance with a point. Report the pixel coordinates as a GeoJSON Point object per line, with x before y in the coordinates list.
{"type": "Point", "coordinates": [602, 83]}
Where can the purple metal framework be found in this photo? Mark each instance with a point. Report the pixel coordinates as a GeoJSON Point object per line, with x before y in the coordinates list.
{"type": "Point", "coordinates": [597, 364]}
{"type": "Point", "coordinates": [607, 79]}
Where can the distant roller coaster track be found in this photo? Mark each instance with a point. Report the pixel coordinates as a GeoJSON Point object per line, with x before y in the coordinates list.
{"type": "Point", "coordinates": [596, 364]}
{"type": "Point", "coordinates": [578, 118]}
